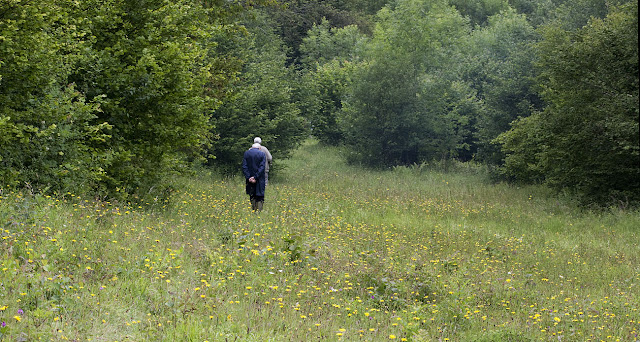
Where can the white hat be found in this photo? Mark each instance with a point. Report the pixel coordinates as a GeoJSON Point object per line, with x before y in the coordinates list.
{"type": "Point", "coordinates": [257, 140]}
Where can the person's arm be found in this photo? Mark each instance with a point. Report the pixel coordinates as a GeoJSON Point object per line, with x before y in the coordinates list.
{"type": "Point", "coordinates": [245, 167]}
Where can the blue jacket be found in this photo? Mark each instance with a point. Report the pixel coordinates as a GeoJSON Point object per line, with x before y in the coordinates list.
{"type": "Point", "coordinates": [253, 165]}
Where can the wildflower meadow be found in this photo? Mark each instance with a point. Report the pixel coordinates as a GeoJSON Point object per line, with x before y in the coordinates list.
{"type": "Point", "coordinates": [340, 253]}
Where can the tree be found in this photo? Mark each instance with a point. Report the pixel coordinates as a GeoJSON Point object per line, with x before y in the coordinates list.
{"type": "Point", "coordinates": [297, 17]}
{"type": "Point", "coordinates": [146, 64]}
{"type": "Point", "coordinates": [329, 57]}
{"type": "Point", "coordinates": [50, 136]}
{"type": "Point", "coordinates": [479, 11]}
{"type": "Point", "coordinates": [399, 109]}
{"type": "Point", "coordinates": [570, 15]}
{"type": "Point", "coordinates": [573, 15]}
{"type": "Point", "coordinates": [369, 7]}
{"type": "Point", "coordinates": [109, 96]}
{"type": "Point", "coordinates": [499, 66]}
{"type": "Point", "coordinates": [324, 43]}
{"type": "Point", "coordinates": [261, 104]}
{"type": "Point", "coordinates": [586, 139]}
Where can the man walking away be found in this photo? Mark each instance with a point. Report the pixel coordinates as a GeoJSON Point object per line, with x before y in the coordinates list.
{"type": "Point", "coordinates": [257, 140]}
{"type": "Point", "coordinates": [253, 167]}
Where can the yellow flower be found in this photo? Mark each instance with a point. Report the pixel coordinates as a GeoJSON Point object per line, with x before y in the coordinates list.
{"type": "Point", "coordinates": [391, 337]}
{"type": "Point", "coordinates": [18, 318]}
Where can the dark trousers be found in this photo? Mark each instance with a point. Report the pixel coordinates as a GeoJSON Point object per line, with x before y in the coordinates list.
{"type": "Point", "coordinates": [256, 201]}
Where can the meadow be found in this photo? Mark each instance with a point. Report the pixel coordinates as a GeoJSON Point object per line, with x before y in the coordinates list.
{"type": "Point", "coordinates": [339, 253]}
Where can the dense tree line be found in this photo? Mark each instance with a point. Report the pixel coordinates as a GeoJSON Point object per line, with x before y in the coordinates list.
{"type": "Point", "coordinates": [541, 91]}
{"type": "Point", "coordinates": [586, 138]}
{"type": "Point", "coordinates": [114, 97]}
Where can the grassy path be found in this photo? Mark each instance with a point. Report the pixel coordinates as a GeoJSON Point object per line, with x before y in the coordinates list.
{"type": "Point", "coordinates": [339, 254]}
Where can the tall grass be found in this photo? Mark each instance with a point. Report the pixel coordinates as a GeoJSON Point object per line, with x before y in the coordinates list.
{"type": "Point", "coordinates": [340, 253]}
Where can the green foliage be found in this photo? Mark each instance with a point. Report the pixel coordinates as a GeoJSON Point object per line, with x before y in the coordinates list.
{"type": "Point", "coordinates": [61, 150]}
{"type": "Point", "coordinates": [324, 43]}
{"type": "Point", "coordinates": [299, 16]}
{"type": "Point", "coordinates": [573, 15]}
{"type": "Point", "coordinates": [360, 6]}
{"type": "Point", "coordinates": [569, 14]}
{"type": "Point", "coordinates": [329, 57]}
{"type": "Point", "coordinates": [261, 104]}
{"type": "Point", "coordinates": [50, 136]}
{"type": "Point", "coordinates": [524, 145]}
{"type": "Point", "coordinates": [478, 11]}
{"type": "Point", "coordinates": [116, 97]}
{"type": "Point", "coordinates": [586, 140]}
{"type": "Point", "coordinates": [504, 335]}
{"type": "Point", "coordinates": [398, 110]}
{"type": "Point", "coordinates": [499, 67]}
{"type": "Point", "coordinates": [330, 83]}
{"type": "Point", "coordinates": [106, 96]}
{"type": "Point", "coordinates": [147, 63]}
